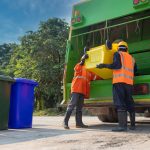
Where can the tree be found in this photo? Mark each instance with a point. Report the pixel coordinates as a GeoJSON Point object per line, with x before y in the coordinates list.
{"type": "Point", "coordinates": [6, 50]}
{"type": "Point", "coordinates": [40, 56]}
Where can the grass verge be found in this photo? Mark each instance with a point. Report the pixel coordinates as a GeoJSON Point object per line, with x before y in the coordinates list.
{"type": "Point", "coordinates": [49, 112]}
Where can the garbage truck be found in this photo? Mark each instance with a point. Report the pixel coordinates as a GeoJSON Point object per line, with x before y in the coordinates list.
{"type": "Point", "coordinates": [92, 23]}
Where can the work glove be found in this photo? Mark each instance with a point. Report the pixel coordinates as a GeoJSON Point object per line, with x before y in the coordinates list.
{"type": "Point", "coordinates": [82, 62]}
{"type": "Point", "coordinates": [108, 44]}
{"type": "Point", "coordinates": [101, 66]}
{"type": "Point", "coordinates": [85, 56]}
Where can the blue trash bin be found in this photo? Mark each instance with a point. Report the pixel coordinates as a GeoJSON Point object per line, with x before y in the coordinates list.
{"type": "Point", "coordinates": [21, 103]}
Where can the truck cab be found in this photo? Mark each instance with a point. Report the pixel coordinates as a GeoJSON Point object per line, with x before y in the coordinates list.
{"type": "Point", "coordinates": [95, 21]}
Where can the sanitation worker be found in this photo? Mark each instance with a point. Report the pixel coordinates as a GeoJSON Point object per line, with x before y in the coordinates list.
{"type": "Point", "coordinates": [80, 89]}
{"type": "Point", "coordinates": [123, 67]}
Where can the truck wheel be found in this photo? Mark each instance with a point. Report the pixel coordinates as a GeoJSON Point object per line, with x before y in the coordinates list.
{"type": "Point", "coordinates": [103, 118]}
{"type": "Point", "coordinates": [147, 113]}
{"type": "Point", "coordinates": [111, 117]}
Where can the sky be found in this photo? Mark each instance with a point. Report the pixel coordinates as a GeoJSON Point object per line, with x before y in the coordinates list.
{"type": "Point", "coordinates": [19, 16]}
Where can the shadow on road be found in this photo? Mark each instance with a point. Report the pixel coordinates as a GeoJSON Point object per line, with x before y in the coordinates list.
{"type": "Point", "coordinates": [51, 127]}
{"type": "Point", "coordinates": [142, 127]}
{"type": "Point", "coordinates": [22, 135]}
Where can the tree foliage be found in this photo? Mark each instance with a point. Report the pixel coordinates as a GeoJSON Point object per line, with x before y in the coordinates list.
{"type": "Point", "coordinates": [40, 56]}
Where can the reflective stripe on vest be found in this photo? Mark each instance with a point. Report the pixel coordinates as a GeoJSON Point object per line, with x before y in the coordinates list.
{"type": "Point", "coordinates": [123, 66]}
{"type": "Point", "coordinates": [81, 77]}
{"type": "Point", "coordinates": [123, 75]}
{"type": "Point", "coordinates": [126, 73]}
{"type": "Point", "coordinates": [94, 77]}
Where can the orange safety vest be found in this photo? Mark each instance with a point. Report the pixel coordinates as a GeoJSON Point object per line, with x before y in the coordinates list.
{"type": "Point", "coordinates": [81, 81]}
{"type": "Point", "coordinates": [126, 73]}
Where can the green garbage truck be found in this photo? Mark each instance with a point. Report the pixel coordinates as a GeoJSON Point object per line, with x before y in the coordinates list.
{"type": "Point", "coordinates": [95, 21]}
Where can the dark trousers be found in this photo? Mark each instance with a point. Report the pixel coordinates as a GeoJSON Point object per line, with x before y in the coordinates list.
{"type": "Point", "coordinates": [122, 97]}
{"type": "Point", "coordinates": [77, 100]}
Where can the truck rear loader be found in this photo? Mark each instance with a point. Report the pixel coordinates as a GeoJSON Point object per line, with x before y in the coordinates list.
{"type": "Point", "coordinates": [95, 21]}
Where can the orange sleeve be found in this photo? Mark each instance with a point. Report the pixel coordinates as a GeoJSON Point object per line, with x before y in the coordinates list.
{"type": "Point", "coordinates": [78, 69]}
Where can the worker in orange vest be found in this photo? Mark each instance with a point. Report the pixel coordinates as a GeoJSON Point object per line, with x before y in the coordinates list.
{"type": "Point", "coordinates": [80, 89]}
{"type": "Point", "coordinates": [123, 67]}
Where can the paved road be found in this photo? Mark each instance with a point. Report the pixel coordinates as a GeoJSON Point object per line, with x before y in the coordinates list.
{"type": "Point", "coordinates": [48, 134]}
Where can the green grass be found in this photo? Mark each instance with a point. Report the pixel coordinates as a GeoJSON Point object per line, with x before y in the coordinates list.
{"type": "Point", "coordinates": [56, 112]}
{"type": "Point", "coordinates": [49, 112]}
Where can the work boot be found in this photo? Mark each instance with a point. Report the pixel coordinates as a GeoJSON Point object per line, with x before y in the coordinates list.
{"type": "Point", "coordinates": [66, 119]}
{"type": "Point", "coordinates": [122, 120]}
{"type": "Point", "coordinates": [132, 120]}
{"type": "Point", "coordinates": [79, 123]}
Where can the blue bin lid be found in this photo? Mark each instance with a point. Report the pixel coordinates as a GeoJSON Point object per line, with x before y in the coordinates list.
{"type": "Point", "coordinates": [24, 80]}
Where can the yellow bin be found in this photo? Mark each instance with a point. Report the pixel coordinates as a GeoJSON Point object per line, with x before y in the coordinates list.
{"type": "Point", "coordinates": [101, 55]}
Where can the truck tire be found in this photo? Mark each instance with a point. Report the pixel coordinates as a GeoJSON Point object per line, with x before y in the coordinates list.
{"type": "Point", "coordinates": [111, 117]}
{"type": "Point", "coordinates": [147, 113]}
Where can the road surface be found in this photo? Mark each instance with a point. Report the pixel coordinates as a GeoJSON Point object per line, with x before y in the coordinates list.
{"type": "Point", "coordinates": [47, 134]}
